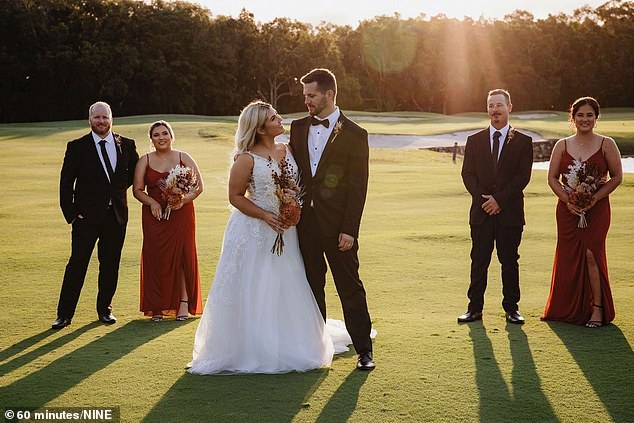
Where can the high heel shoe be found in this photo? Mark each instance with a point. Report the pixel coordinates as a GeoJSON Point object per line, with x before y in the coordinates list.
{"type": "Point", "coordinates": [595, 323]}
{"type": "Point", "coordinates": [184, 316]}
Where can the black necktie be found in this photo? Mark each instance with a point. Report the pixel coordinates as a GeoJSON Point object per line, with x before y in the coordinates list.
{"type": "Point", "coordinates": [106, 159]}
{"type": "Point", "coordinates": [315, 121]}
{"type": "Point", "coordinates": [496, 146]}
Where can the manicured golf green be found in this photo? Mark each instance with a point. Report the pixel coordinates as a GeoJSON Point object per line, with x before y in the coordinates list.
{"type": "Point", "coordinates": [414, 253]}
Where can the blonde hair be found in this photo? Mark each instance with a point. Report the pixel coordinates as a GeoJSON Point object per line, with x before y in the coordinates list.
{"type": "Point", "coordinates": [252, 117]}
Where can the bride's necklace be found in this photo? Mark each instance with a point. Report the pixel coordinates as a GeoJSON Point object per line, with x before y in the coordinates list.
{"type": "Point", "coordinates": [270, 154]}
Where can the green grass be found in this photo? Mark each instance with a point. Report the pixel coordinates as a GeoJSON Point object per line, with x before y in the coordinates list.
{"type": "Point", "coordinates": [414, 262]}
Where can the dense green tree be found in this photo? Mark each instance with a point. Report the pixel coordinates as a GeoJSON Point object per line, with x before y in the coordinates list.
{"type": "Point", "coordinates": [59, 56]}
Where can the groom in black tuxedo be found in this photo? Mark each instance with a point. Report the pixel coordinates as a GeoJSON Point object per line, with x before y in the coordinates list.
{"type": "Point", "coordinates": [496, 169]}
{"type": "Point", "coordinates": [97, 171]}
{"type": "Point", "coordinates": [332, 154]}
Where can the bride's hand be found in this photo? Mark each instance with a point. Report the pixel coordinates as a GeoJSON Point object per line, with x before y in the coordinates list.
{"type": "Point", "coordinates": [274, 221]}
{"type": "Point", "coordinates": [290, 192]}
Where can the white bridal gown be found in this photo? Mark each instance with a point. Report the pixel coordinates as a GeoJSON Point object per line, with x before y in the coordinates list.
{"type": "Point", "coordinates": [261, 316]}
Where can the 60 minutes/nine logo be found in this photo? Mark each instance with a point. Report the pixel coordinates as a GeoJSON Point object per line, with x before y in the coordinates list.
{"type": "Point", "coordinates": [17, 415]}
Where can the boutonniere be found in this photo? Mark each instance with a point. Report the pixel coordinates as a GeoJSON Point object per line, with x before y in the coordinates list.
{"type": "Point", "coordinates": [117, 141]}
{"type": "Point", "coordinates": [336, 130]}
{"type": "Point", "coordinates": [510, 136]}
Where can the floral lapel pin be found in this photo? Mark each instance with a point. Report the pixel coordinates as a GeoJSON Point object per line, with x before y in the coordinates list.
{"type": "Point", "coordinates": [117, 141]}
{"type": "Point", "coordinates": [510, 135]}
{"type": "Point", "coordinates": [336, 130]}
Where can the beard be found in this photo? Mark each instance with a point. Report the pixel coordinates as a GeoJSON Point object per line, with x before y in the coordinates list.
{"type": "Point", "coordinates": [319, 107]}
{"type": "Point", "coordinates": [100, 129]}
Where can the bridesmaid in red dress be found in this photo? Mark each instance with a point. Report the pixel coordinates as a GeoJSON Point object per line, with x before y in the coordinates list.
{"type": "Point", "coordinates": [170, 282]}
{"type": "Point", "coordinates": [580, 288]}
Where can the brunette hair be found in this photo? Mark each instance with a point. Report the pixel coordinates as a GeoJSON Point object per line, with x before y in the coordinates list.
{"type": "Point", "coordinates": [582, 101]}
{"type": "Point", "coordinates": [324, 78]}
{"type": "Point", "coordinates": [497, 91]}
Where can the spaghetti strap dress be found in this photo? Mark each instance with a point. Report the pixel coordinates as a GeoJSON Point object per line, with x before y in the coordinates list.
{"type": "Point", "coordinates": [571, 298]}
{"type": "Point", "coordinates": [169, 248]}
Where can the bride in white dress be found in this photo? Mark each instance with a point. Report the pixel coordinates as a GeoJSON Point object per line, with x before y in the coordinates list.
{"type": "Point", "coordinates": [261, 316]}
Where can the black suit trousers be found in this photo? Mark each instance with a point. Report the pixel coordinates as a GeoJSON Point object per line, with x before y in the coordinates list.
{"type": "Point", "coordinates": [344, 266]}
{"type": "Point", "coordinates": [110, 235]}
{"type": "Point", "coordinates": [506, 240]}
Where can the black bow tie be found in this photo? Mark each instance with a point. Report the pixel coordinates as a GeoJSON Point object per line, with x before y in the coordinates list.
{"type": "Point", "coordinates": [315, 121]}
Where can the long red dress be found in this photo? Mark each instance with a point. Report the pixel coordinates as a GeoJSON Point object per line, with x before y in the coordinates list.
{"type": "Point", "coordinates": [168, 247]}
{"type": "Point", "coordinates": [570, 298]}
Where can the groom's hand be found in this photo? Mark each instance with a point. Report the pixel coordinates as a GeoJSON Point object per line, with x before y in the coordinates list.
{"type": "Point", "coordinates": [490, 206]}
{"type": "Point", "coordinates": [345, 242]}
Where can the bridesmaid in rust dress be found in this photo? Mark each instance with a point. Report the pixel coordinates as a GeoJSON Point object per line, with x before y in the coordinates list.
{"type": "Point", "coordinates": [170, 282]}
{"type": "Point", "coordinates": [580, 288]}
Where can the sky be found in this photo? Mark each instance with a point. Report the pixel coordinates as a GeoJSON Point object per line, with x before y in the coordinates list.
{"type": "Point", "coordinates": [350, 12]}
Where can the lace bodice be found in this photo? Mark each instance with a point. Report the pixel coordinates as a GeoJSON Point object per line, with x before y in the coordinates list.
{"type": "Point", "coordinates": [261, 189]}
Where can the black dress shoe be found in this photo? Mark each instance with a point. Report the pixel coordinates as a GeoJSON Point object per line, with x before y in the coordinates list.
{"type": "Point", "coordinates": [107, 319]}
{"type": "Point", "coordinates": [470, 316]}
{"type": "Point", "coordinates": [365, 362]}
{"type": "Point", "coordinates": [61, 322]}
{"type": "Point", "coordinates": [515, 317]}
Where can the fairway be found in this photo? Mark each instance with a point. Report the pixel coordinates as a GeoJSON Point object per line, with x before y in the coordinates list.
{"type": "Point", "coordinates": [414, 254]}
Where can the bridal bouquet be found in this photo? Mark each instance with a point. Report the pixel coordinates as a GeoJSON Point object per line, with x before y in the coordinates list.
{"type": "Point", "coordinates": [180, 181]}
{"type": "Point", "coordinates": [289, 194]}
{"type": "Point", "coordinates": [582, 182]}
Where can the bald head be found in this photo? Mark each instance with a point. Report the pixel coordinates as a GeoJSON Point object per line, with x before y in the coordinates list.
{"type": "Point", "coordinates": [100, 118]}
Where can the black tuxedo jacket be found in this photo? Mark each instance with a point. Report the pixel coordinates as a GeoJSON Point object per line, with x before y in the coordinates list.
{"type": "Point", "coordinates": [338, 189]}
{"type": "Point", "coordinates": [506, 184]}
{"type": "Point", "coordinates": [84, 187]}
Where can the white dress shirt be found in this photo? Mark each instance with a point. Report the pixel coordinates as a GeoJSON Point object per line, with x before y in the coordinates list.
{"type": "Point", "coordinates": [503, 131]}
{"type": "Point", "coordinates": [318, 137]}
{"type": "Point", "coordinates": [111, 149]}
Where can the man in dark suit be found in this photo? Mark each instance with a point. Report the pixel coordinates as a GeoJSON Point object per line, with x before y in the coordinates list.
{"type": "Point", "coordinates": [496, 169]}
{"type": "Point", "coordinates": [332, 154]}
{"type": "Point", "coordinates": [97, 171]}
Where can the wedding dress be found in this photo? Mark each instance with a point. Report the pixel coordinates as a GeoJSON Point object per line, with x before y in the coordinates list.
{"type": "Point", "coordinates": [261, 316]}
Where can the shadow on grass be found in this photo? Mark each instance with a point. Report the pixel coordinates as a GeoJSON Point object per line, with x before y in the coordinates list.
{"type": "Point", "coordinates": [344, 401]}
{"type": "Point", "coordinates": [24, 344]}
{"type": "Point", "coordinates": [605, 358]}
{"type": "Point", "coordinates": [526, 383]}
{"type": "Point", "coordinates": [44, 385]}
{"type": "Point", "coordinates": [237, 398]}
{"type": "Point", "coordinates": [526, 402]}
{"type": "Point", "coordinates": [42, 350]}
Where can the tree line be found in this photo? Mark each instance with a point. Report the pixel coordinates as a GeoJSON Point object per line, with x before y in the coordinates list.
{"type": "Point", "coordinates": [59, 56]}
